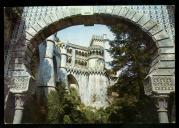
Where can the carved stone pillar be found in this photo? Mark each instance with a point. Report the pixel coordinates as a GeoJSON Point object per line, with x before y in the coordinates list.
{"type": "Point", "coordinates": [19, 86]}
{"type": "Point", "coordinates": [159, 87]}
{"type": "Point", "coordinates": [162, 104]}
{"type": "Point", "coordinates": [19, 106]}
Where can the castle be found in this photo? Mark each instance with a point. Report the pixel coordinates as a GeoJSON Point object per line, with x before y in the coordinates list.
{"type": "Point", "coordinates": [80, 67]}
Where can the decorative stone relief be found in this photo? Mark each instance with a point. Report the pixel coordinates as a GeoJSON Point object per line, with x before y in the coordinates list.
{"type": "Point", "coordinates": [32, 14]}
{"type": "Point", "coordinates": [19, 101]}
{"type": "Point", "coordinates": [159, 85]}
{"type": "Point", "coordinates": [162, 103]}
{"type": "Point", "coordinates": [20, 84]}
{"type": "Point", "coordinates": [163, 84]}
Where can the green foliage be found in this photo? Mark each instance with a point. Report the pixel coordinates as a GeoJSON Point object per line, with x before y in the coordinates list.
{"type": "Point", "coordinates": [55, 108]}
{"type": "Point", "coordinates": [131, 53]}
{"type": "Point", "coordinates": [63, 107]}
{"type": "Point", "coordinates": [66, 107]}
{"type": "Point", "coordinates": [95, 115]}
{"type": "Point", "coordinates": [66, 119]}
{"type": "Point", "coordinates": [102, 116]}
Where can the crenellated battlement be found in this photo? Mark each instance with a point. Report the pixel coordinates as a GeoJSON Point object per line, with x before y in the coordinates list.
{"type": "Point", "coordinates": [97, 38]}
{"type": "Point", "coordinates": [97, 41]}
{"type": "Point", "coordinates": [84, 71]}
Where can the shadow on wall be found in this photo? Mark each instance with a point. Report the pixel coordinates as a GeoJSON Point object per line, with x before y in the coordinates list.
{"type": "Point", "coordinates": [45, 76]}
{"type": "Point", "coordinates": [9, 111]}
{"type": "Point", "coordinates": [46, 72]}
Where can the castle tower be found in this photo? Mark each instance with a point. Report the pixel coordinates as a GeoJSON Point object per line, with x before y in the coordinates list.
{"type": "Point", "coordinates": [62, 69]}
{"type": "Point", "coordinates": [96, 53]}
{"type": "Point", "coordinates": [47, 72]}
{"type": "Point", "coordinates": [97, 82]}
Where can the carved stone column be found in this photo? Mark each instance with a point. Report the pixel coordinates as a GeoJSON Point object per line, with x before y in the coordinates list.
{"type": "Point", "coordinates": [162, 104]}
{"type": "Point", "coordinates": [19, 86]}
{"type": "Point", "coordinates": [19, 106]}
{"type": "Point", "coordinates": [160, 87]}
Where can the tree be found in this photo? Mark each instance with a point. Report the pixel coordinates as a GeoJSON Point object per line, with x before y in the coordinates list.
{"type": "Point", "coordinates": [63, 107]}
{"type": "Point", "coordinates": [66, 107]}
{"type": "Point", "coordinates": [130, 51]}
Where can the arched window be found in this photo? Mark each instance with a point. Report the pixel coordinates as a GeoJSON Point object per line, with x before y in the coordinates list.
{"type": "Point", "coordinates": [73, 85]}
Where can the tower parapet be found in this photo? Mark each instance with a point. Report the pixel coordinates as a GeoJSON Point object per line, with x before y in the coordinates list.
{"type": "Point", "coordinates": [96, 52]}
{"type": "Point", "coordinates": [97, 40]}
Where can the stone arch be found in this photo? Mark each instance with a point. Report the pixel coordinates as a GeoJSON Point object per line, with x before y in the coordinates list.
{"type": "Point", "coordinates": [163, 63]}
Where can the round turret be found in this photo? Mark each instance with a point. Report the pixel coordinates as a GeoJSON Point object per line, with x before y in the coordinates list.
{"type": "Point", "coordinates": [96, 53]}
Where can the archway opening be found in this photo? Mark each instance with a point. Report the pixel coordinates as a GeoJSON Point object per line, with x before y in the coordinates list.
{"type": "Point", "coordinates": [73, 85]}
{"type": "Point", "coordinates": [103, 19]}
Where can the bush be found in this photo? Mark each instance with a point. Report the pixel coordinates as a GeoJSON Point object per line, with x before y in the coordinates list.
{"type": "Point", "coordinates": [63, 107]}
{"type": "Point", "coordinates": [66, 119]}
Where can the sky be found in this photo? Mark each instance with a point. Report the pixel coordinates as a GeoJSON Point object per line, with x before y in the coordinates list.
{"type": "Point", "coordinates": [81, 35]}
